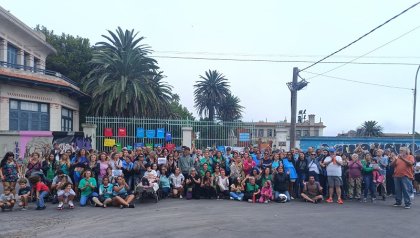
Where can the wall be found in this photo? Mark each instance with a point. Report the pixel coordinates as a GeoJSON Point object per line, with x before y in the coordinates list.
{"type": "Point", "coordinates": [349, 144]}
{"type": "Point", "coordinates": [24, 143]}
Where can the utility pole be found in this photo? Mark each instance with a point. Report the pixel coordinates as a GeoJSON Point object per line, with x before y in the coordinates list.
{"type": "Point", "coordinates": [414, 114]}
{"type": "Point", "coordinates": [293, 91]}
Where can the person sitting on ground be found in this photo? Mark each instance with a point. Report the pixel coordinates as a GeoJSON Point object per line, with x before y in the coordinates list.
{"type": "Point", "coordinates": [281, 181]}
{"type": "Point", "coordinates": [87, 186]}
{"type": "Point", "coordinates": [222, 185]}
{"type": "Point", "coordinates": [252, 190]}
{"type": "Point", "coordinates": [207, 186]}
{"type": "Point", "coordinates": [312, 191]}
{"type": "Point", "coordinates": [266, 192]}
{"type": "Point", "coordinates": [66, 194]}
{"type": "Point", "coordinates": [105, 192]}
{"type": "Point", "coordinates": [236, 189]}
{"type": "Point", "coordinates": [7, 199]}
{"type": "Point", "coordinates": [193, 182]}
{"type": "Point", "coordinates": [122, 194]}
{"type": "Point", "coordinates": [23, 193]}
{"type": "Point", "coordinates": [58, 181]}
{"type": "Point", "coordinates": [41, 191]}
{"type": "Point", "coordinates": [177, 183]}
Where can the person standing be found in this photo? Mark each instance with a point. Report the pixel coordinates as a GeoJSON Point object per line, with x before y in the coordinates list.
{"type": "Point", "coordinates": [383, 161]}
{"type": "Point", "coordinates": [403, 175]}
{"type": "Point", "coordinates": [333, 164]}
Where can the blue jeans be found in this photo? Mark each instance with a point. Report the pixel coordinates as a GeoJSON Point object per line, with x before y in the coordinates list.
{"type": "Point", "coordinates": [369, 186]}
{"type": "Point", "coordinates": [237, 196]}
{"type": "Point", "coordinates": [84, 199]}
{"type": "Point", "coordinates": [402, 190]}
{"type": "Point", "coordinates": [276, 195]}
{"type": "Point", "coordinates": [300, 183]}
{"type": "Point", "coordinates": [40, 202]}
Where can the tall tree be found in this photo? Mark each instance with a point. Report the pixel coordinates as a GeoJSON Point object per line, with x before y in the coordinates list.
{"type": "Point", "coordinates": [178, 111]}
{"type": "Point", "coordinates": [209, 91]}
{"type": "Point", "coordinates": [124, 81]}
{"type": "Point", "coordinates": [370, 129]}
{"type": "Point", "coordinates": [230, 109]}
{"type": "Point", "coordinates": [73, 54]}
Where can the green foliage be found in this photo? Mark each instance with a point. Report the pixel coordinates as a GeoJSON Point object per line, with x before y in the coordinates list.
{"type": "Point", "coordinates": [229, 109]}
{"type": "Point", "coordinates": [124, 81]}
{"type": "Point", "coordinates": [178, 111]}
{"type": "Point", "coordinates": [209, 92]}
{"type": "Point", "coordinates": [370, 129]}
{"type": "Point", "coordinates": [73, 54]}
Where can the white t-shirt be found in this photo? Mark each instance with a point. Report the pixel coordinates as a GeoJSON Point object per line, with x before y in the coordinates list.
{"type": "Point", "coordinates": [417, 171]}
{"type": "Point", "coordinates": [333, 169]}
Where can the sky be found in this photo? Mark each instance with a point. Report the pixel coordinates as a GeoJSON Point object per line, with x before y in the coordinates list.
{"type": "Point", "coordinates": [273, 30]}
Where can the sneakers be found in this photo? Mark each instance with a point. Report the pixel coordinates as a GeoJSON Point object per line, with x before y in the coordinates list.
{"type": "Point", "coordinates": [407, 207]}
{"type": "Point", "coordinates": [180, 196]}
{"type": "Point", "coordinates": [266, 201]}
{"type": "Point", "coordinates": [41, 208]}
{"type": "Point", "coordinates": [60, 206]}
{"type": "Point", "coordinates": [249, 200]}
{"type": "Point", "coordinates": [131, 206]}
{"type": "Point", "coordinates": [340, 201]}
{"type": "Point", "coordinates": [231, 198]}
{"type": "Point", "coordinates": [364, 200]}
{"type": "Point", "coordinates": [121, 206]}
{"type": "Point", "coordinates": [23, 208]}
{"type": "Point", "coordinates": [71, 204]}
{"type": "Point", "coordinates": [329, 200]}
{"type": "Point", "coordinates": [397, 204]}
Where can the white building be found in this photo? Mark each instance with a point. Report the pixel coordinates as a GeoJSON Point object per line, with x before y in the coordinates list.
{"type": "Point", "coordinates": [31, 97]}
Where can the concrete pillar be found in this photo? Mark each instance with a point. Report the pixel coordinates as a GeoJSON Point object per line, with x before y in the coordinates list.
{"type": "Point", "coordinates": [90, 131]}
{"type": "Point", "coordinates": [55, 117]}
{"type": "Point", "coordinates": [76, 120]}
{"type": "Point", "coordinates": [20, 58]}
{"type": "Point", "coordinates": [4, 113]}
{"type": "Point", "coordinates": [281, 137]}
{"type": "Point", "coordinates": [3, 50]}
{"type": "Point", "coordinates": [187, 136]}
{"type": "Point", "coordinates": [29, 59]}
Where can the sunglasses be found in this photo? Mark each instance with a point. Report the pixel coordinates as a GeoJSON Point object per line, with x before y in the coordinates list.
{"type": "Point", "coordinates": [313, 154]}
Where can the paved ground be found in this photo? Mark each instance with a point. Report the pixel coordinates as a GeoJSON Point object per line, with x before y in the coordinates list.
{"type": "Point", "coordinates": [210, 218]}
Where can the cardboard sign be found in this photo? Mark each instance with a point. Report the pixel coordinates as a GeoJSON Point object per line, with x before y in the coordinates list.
{"type": "Point", "coordinates": [160, 133]}
{"type": "Point", "coordinates": [122, 132]}
{"type": "Point", "coordinates": [150, 134]}
{"type": "Point", "coordinates": [109, 142]}
{"type": "Point", "coordinates": [162, 160]}
{"type": "Point", "coordinates": [108, 132]}
{"type": "Point", "coordinates": [140, 132]}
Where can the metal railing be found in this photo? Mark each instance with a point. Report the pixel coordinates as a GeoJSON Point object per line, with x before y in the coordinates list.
{"type": "Point", "coordinates": [38, 70]}
{"type": "Point", "coordinates": [204, 133]}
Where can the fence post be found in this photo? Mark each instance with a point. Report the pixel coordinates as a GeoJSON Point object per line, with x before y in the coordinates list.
{"type": "Point", "coordinates": [89, 130]}
{"type": "Point", "coordinates": [187, 136]}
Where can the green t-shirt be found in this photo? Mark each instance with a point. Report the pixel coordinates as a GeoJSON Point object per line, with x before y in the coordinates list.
{"type": "Point", "coordinates": [252, 188]}
{"type": "Point", "coordinates": [88, 190]}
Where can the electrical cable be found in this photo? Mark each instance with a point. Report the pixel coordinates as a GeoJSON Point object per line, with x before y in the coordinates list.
{"type": "Point", "coordinates": [361, 37]}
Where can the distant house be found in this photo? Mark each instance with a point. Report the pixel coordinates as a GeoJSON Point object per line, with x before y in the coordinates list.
{"type": "Point", "coordinates": [33, 98]}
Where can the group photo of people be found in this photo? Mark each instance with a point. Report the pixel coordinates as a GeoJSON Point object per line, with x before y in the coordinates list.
{"type": "Point", "coordinates": [69, 179]}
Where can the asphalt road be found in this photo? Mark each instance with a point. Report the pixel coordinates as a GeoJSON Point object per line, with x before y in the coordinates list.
{"type": "Point", "coordinates": [213, 218]}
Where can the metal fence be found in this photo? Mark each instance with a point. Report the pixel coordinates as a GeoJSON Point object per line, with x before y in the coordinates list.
{"type": "Point", "coordinates": [204, 133]}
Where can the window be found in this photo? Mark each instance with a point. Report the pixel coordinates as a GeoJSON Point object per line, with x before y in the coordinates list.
{"type": "Point", "coordinates": [66, 119]}
{"type": "Point", "coordinates": [305, 133]}
{"type": "Point", "coordinates": [28, 116]}
{"type": "Point", "coordinates": [316, 133]}
{"type": "Point", "coordinates": [260, 132]}
{"type": "Point", "coordinates": [12, 53]}
{"type": "Point", "coordinates": [269, 132]}
{"type": "Point", "coordinates": [298, 133]}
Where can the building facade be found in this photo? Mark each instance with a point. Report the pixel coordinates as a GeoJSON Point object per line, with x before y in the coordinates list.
{"type": "Point", "coordinates": [33, 98]}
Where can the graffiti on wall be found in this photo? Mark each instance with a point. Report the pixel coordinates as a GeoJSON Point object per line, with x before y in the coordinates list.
{"type": "Point", "coordinates": [72, 141]}
{"type": "Point", "coordinates": [349, 145]}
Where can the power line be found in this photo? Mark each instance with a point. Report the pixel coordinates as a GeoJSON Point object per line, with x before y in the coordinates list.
{"type": "Point", "coordinates": [363, 36]}
{"type": "Point", "coordinates": [276, 55]}
{"type": "Point", "coordinates": [355, 81]}
{"type": "Point", "coordinates": [280, 61]}
{"type": "Point", "coordinates": [377, 48]}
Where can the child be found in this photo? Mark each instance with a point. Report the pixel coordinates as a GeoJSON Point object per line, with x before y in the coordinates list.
{"type": "Point", "coordinates": [236, 190]}
{"type": "Point", "coordinates": [41, 189]}
{"type": "Point", "coordinates": [66, 195]}
{"type": "Point", "coordinates": [23, 193]}
{"type": "Point", "coordinates": [105, 192]}
{"type": "Point", "coordinates": [266, 192]}
{"type": "Point", "coordinates": [375, 172]}
{"type": "Point", "coordinates": [7, 199]}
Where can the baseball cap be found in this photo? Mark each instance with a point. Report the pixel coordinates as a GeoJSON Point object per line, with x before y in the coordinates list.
{"type": "Point", "coordinates": [331, 150]}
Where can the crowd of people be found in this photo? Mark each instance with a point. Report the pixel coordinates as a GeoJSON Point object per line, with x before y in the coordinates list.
{"type": "Point", "coordinates": [117, 179]}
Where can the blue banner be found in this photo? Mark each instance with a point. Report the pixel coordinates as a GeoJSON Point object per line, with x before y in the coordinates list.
{"type": "Point", "coordinates": [160, 133]}
{"type": "Point", "coordinates": [168, 136]}
{"type": "Point", "coordinates": [137, 145]}
{"type": "Point", "coordinates": [244, 137]}
{"type": "Point", "coordinates": [140, 132]}
{"type": "Point", "coordinates": [150, 133]}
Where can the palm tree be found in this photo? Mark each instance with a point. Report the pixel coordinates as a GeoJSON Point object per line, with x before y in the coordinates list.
{"type": "Point", "coordinates": [370, 129]}
{"type": "Point", "coordinates": [229, 109]}
{"type": "Point", "coordinates": [209, 92]}
{"type": "Point", "coordinates": [124, 81]}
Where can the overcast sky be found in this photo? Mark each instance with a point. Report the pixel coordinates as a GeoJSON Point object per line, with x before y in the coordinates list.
{"type": "Point", "coordinates": [275, 30]}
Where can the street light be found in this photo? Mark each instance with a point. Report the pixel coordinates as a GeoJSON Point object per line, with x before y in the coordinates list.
{"type": "Point", "coordinates": [414, 112]}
